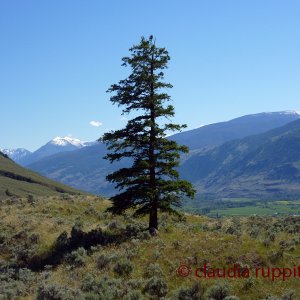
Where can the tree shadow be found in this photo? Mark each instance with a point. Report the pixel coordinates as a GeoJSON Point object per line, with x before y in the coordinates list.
{"type": "Point", "coordinates": [78, 238]}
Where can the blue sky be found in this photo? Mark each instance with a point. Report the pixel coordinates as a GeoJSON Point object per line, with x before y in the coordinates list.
{"type": "Point", "coordinates": [57, 59]}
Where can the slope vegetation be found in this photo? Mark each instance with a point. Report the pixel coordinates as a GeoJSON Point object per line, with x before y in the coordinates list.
{"type": "Point", "coordinates": [70, 248]}
{"type": "Point", "coordinates": [17, 181]}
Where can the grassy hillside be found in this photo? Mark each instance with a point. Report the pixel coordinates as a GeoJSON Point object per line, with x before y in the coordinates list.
{"type": "Point", "coordinates": [18, 181]}
{"type": "Point", "coordinates": [70, 248]}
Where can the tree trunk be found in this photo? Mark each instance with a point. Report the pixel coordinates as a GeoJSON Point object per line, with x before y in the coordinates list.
{"type": "Point", "coordinates": [153, 221]}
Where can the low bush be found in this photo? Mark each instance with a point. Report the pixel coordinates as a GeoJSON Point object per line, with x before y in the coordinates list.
{"type": "Point", "coordinates": [196, 292]}
{"type": "Point", "coordinates": [156, 286]}
{"type": "Point", "coordinates": [102, 288]}
{"type": "Point", "coordinates": [123, 268]}
{"type": "Point", "coordinates": [103, 261]}
{"type": "Point", "coordinates": [57, 292]}
{"type": "Point", "coordinates": [77, 258]}
{"type": "Point", "coordinates": [218, 292]}
{"type": "Point", "coordinates": [134, 295]}
{"type": "Point", "coordinates": [153, 270]}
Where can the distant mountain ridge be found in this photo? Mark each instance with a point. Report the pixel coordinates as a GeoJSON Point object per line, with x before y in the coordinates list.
{"type": "Point", "coordinates": [218, 133]}
{"type": "Point", "coordinates": [259, 166]}
{"type": "Point", "coordinates": [56, 145]}
{"type": "Point", "coordinates": [19, 154]}
{"type": "Point", "coordinates": [85, 168]}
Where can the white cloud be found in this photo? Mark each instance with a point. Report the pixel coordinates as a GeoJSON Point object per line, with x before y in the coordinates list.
{"type": "Point", "coordinates": [96, 123]}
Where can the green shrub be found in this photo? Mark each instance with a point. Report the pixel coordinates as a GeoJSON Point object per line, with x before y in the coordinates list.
{"type": "Point", "coordinates": [115, 224]}
{"type": "Point", "coordinates": [56, 292]}
{"type": "Point", "coordinates": [77, 258]}
{"type": "Point", "coordinates": [196, 292]}
{"type": "Point", "coordinates": [156, 286]}
{"type": "Point", "coordinates": [134, 295]}
{"type": "Point", "coordinates": [218, 292]}
{"type": "Point", "coordinates": [143, 235]}
{"type": "Point", "coordinates": [130, 253]}
{"type": "Point", "coordinates": [275, 256]}
{"type": "Point", "coordinates": [34, 238]}
{"type": "Point", "coordinates": [103, 261]}
{"type": "Point", "coordinates": [105, 288]}
{"type": "Point", "coordinates": [153, 270]}
{"type": "Point", "coordinates": [288, 295]}
{"type": "Point", "coordinates": [271, 236]}
{"type": "Point", "coordinates": [266, 242]}
{"type": "Point", "coordinates": [156, 254]}
{"type": "Point", "coordinates": [254, 232]}
{"type": "Point", "coordinates": [90, 211]}
{"type": "Point", "coordinates": [248, 284]}
{"type": "Point", "coordinates": [123, 267]}
{"type": "Point", "coordinates": [135, 283]}
{"type": "Point", "coordinates": [283, 244]}
{"type": "Point", "coordinates": [134, 229]}
{"type": "Point", "coordinates": [15, 284]}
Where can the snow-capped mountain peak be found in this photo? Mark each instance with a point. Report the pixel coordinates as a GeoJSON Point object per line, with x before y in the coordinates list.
{"type": "Point", "coordinates": [291, 112]}
{"type": "Point", "coordinates": [16, 154]}
{"type": "Point", "coordinates": [65, 141]}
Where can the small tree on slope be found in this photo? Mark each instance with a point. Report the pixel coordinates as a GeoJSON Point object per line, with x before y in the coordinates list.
{"type": "Point", "coordinates": [152, 182]}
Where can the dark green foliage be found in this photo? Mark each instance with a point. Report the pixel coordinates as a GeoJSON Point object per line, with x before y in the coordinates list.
{"type": "Point", "coordinates": [77, 258]}
{"type": "Point", "coordinates": [135, 284]}
{"type": "Point", "coordinates": [57, 292]}
{"type": "Point", "coordinates": [156, 286]}
{"type": "Point", "coordinates": [34, 238]}
{"type": "Point", "coordinates": [134, 229]}
{"type": "Point", "coordinates": [152, 182]}
{"type": "Point", "coordinates": [266, 242]}
{"type": "Point", "coordinates": [254, 232]}
{"type": "Point", "coordinates": [8, 193]}
{"type": "Point", "coordinates": [123, 268]}
{"type": "Point", "coordinates": [196, 292]}
{"type": "Point", "coordinates": [103, 261]}
{"type": "Point", "coordinates": [15, 284]}
{"type": "Point", "coordinates": [105, 288]}
{"type": "Point", "coordinates": [283, 244]}
{"type": "Point", "coordinates": [134, 295]}
{"type": "Point", "coordinates": [248, 284]}
{"type": "Point", "coordinates": [288, 295]}
{"type": "Point", "coordinates": [114, 225]}
{"type": "Point", "coordinates": [275, 256]}
{"type": "Point", "coordinates": [218, 292]}
{"type": "Point", "coordinates": [153, 270]}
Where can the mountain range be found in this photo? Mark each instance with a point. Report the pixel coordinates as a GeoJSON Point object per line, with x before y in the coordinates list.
{"type": "Point", "coordinates": [56, 145]}
{"type": "Point", "coordinates": [218, 163]}
{"type": "Point", "coordinates": [218, 133]}
{"type": "Point", "coordinates": [264, 166]}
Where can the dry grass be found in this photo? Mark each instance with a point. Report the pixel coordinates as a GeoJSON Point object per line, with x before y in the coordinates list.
{"type": "Point", "coordinates": [190, 242]}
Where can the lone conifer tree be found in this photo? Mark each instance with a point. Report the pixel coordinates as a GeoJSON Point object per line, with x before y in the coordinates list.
{"type": "Point", "coordinates": [151, 183]}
